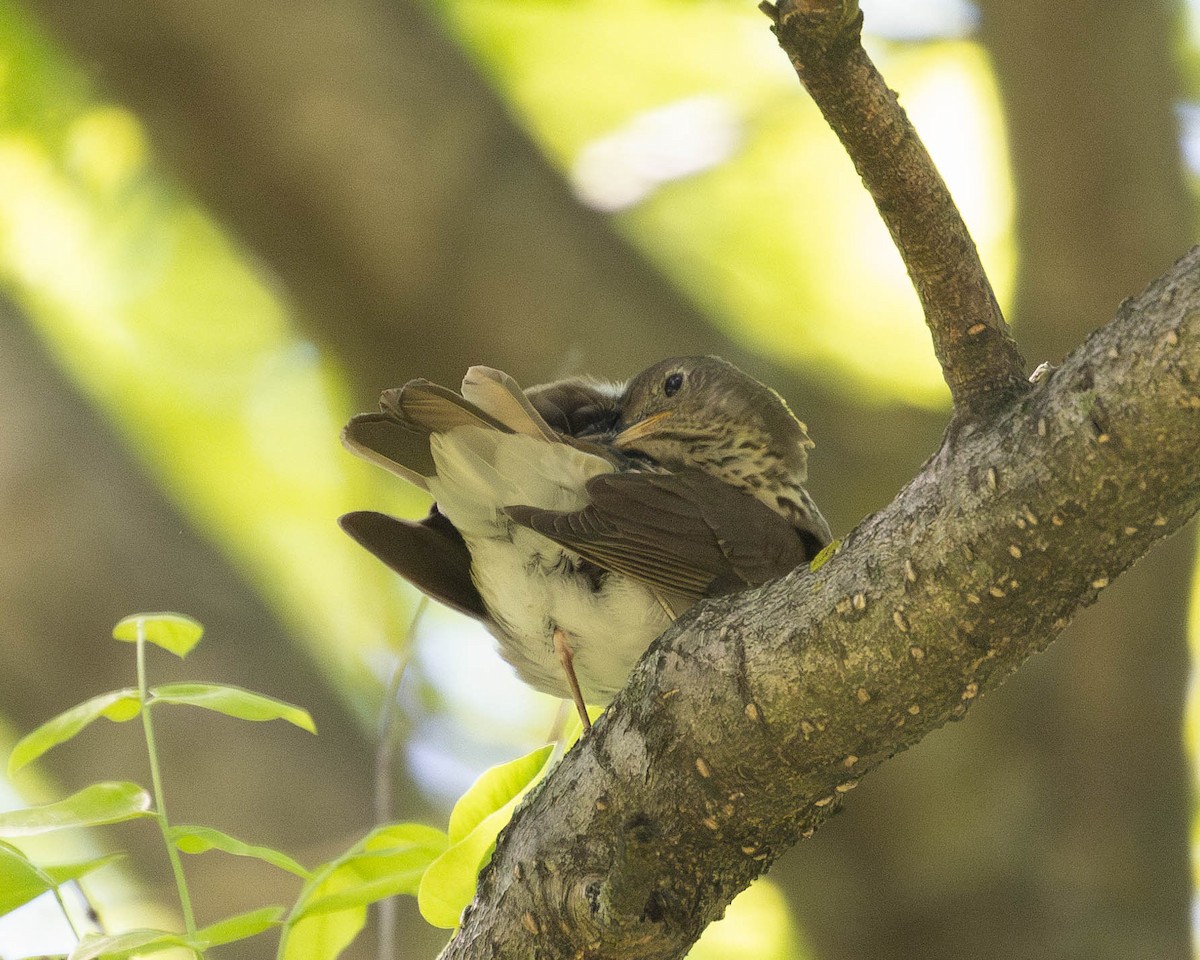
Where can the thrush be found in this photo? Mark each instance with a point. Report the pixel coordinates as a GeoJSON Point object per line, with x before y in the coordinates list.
{"type": "Point", "coordinates": [576, 520]}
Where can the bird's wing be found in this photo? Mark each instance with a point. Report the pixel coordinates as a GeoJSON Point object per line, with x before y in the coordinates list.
{"type": "Point", "coordinates": [433, 408]}
{"type": "Point", "coordinates": [384, 441]}
{"type": "Point", "coordinates": [499, 395]}
{"type": "Point", "coordinates": [577, 407]}
{"type": "Point", "coordinates": [430, 554]}
{"type": "Point", "coordinates": [685, 533]}
{"type": "Point", "coordinates": [397, 438]}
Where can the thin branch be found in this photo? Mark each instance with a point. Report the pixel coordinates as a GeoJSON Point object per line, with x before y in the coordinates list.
{"type": "Point", "coordinates": [980, 361]}
{"type": "Point", "coordinates": [745, 726]}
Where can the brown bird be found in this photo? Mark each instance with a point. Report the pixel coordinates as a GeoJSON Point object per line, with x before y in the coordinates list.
{"type": "Point", "coordinates": [577, 519]}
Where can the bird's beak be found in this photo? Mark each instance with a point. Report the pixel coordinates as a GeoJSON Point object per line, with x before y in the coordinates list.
{"type": "Point", "coordinates": [643, 428]}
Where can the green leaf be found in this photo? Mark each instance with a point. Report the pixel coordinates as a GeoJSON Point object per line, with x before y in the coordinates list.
{"type": "Point", "coordinates": [195, 839]}
{"type": "Point", "coordinates": [322, 925]}
{"type": "Point", "coordinates": [495, 788]}
{"type": "Point", "coordinates": [92, 806]}
{"type": "Point", "coordinates": [62, 873]}
{"type": "Point", "coordinates": [21, 880]}
{"type": "Point", "coordinates": [118, 946]}
{"type": "Point", "coordinates": [234, 702]}
{"type": "Point", "coordinates": [171, 631]}
{"type": "Point", "coordinates": [389, 861]}
{"type": "Point", "coordinates": [825, 555]}
{"type": "Point", "coordinates": [480, 814]}
{"type": "Point", "coordinates": [449, 883]}
{"type": "Point", "coordinates": [325, 936]}
{"type": "Point", "coordinates": [240, 927]}
{"type": "Point", "coordinates": [116, 705]}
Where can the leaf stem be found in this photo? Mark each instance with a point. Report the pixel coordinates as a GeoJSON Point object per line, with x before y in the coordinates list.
{"type": "Point", "coordinates": [384, 758]}
{"type": "Point", "coordinates": [160, 803]}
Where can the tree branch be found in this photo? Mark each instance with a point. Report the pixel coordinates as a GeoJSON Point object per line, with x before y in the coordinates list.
{"type": "Point", "coordinates": [744, 726]}
{"type": "Point", "coordinates": [980, 361]}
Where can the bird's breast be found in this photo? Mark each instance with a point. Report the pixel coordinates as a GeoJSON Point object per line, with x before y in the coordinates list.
{"type": "Point", "coordinates": [529, 584]}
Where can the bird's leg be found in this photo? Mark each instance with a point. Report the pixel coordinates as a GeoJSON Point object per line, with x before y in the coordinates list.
{"type": "Point", "coordinates": [566, 656]}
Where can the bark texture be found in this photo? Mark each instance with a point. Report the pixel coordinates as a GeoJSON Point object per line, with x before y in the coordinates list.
{"type": "Point", "coordinates": [980, 361]}
{"type": "Point", "coordinates": [651, 825]}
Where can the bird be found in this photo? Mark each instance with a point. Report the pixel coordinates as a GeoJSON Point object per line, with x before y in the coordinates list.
{"type": "Point", "coordinates": [578, 519]}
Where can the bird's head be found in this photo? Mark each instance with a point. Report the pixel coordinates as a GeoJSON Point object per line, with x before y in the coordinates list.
{"type": "Point", "coordinates": [704, 412]}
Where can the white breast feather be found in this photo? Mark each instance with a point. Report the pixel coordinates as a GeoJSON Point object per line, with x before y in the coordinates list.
{"type": "Point", "coordinates": [480, 471]}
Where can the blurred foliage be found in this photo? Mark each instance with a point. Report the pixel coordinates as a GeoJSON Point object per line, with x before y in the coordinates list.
{"type": "Point", "coordinates": [590, 80]}
{"type": "Point", "coordinates": [168, 327]}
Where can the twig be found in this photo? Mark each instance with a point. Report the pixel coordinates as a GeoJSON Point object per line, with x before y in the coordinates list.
{"type": "Point", "coordinates": [980, 361]}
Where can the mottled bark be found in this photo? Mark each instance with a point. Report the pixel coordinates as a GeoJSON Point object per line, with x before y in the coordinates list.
{"type": "Point", "coordinates": [980, 362]}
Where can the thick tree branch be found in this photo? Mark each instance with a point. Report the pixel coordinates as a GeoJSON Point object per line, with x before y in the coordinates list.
{"type": "Point", "coordinates": [980, 361]}
{"type": "Point", "coordinates": [743, 728]}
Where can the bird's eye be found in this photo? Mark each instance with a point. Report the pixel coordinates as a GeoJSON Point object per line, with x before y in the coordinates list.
{"type": "Point", "coordinates": [672, 384]}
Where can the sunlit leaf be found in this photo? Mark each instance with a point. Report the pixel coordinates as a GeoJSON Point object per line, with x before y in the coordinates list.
{"type": "Point", "coordinates": [390, 861]}
{"type": "Point", "coordinates": [21, 880]}
{"type": "Point", "coordinates": [479, 816]}
{"type": "Point", "coordinates": [121, 945]}
{"type": "Point", "coordinates": [92, 806]}
{"type": "Point", "coordinates": [234, 702]}
{"type": "Point", "coordinates": [449, 883]}
{"type": "Point", "coordinates": [331, 909]}
{"type": "Point", "coordinates": [171, 631]}
{"type": "Point", "coordinates": [240, 927]}
{"type": "Point", "coordinates": [64, 872]}
{"type": "Point", "coordinates": [825, 555]}
{"type": "Point", "coordinates": [495, 787]}
{"type": "Point", "coordinates": [326, 935]}
{"type": "Point", "coordinates": [117, 705]}
{"type": "Point", "coordinates": [196, 839]}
